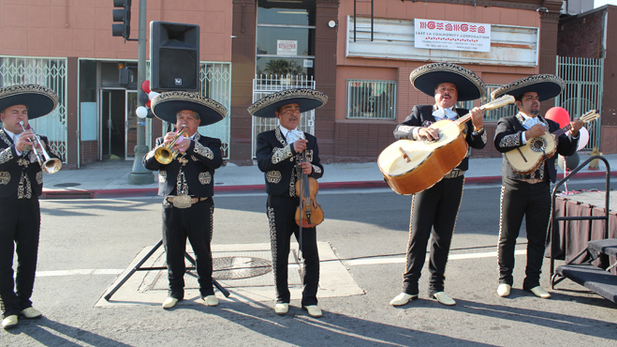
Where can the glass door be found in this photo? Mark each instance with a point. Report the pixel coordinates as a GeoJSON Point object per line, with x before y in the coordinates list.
{"type": "Point", "coordinates": [112, 130]}
{"type": "Point", "coordinates": [130, 122]}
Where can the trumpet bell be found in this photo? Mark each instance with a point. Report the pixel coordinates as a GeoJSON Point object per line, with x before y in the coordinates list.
{"type": "Point", "coordinates": [52, 165]}
{"type": "Point", "coordinates": [163, 155]}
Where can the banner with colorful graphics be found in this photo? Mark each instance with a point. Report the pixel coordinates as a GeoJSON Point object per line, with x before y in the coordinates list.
{"type": "Point", "coordinates": [456, 36]}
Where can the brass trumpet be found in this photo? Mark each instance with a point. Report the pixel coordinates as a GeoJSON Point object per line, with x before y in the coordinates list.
{"type": "Point", "coordinates": [48, 164]}
{"type": "Point", "coordinates": [165, 154]}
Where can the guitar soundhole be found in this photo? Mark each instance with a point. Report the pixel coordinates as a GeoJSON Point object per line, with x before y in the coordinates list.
{"type": "Point", "coordinates": [538, 144]}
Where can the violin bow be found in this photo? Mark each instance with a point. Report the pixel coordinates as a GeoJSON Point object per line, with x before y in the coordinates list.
{"type": "Point", "coordinates": [301, 206]}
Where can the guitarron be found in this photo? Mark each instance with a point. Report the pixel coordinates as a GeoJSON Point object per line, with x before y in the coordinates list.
{"type": "Point", "coordinates": [410, 166]}
{"type": "Point", "coordinates": [527, 158]}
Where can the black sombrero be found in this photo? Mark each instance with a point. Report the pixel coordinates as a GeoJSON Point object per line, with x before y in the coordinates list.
{"type": "Point", "coordinates": [307, 99]}
{"type": "Point", "coordinates": [427, 77]}
{"type": "Point", "coordinates": [38, 99]}
{"type": "Point", "coordinates": [166, 105]}
{"type": "Point", "coordinates": [547, 86]}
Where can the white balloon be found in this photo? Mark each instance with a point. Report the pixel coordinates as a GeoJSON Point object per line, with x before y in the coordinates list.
{"type": "Point", "coordinates": [152, 95]}
{"type": "Point", "coordinates": [141, 112]}
{"type": "Point", "coordinates": [583, 138]}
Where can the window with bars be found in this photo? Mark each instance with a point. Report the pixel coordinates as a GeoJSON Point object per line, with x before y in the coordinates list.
{"type": "Point", "coordinates": [371, 99]}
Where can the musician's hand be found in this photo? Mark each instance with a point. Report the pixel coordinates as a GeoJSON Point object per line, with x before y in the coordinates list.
{"type": "Point", "coordinates": [183, 145]}
{"type": "Point", "coordinates": [169, 137]}
{"type": "Point", "coordinates": [576, 124]}
{"type": "Point", "coordinates": [300, 145]}
{"type": "Point", "coordinates": [535, 131]}
{"type": "Point", "coordinates": [40, 144]}
{"type": "Point", "coordinates": [306, 167]}
{"type": "Point", "coordinates": [23, 140]}
{"type": "Point", "coordinates": [430, 134]}
{"type": "Point", "coordinates": [477, 118]}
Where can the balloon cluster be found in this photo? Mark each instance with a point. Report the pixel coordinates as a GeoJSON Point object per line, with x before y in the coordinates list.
{"type": "Point", "coordinates": [145, 97]}
{"type": "Point", "coordinates": [562, 117]}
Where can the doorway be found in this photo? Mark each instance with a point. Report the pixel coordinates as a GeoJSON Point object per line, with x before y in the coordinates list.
{"type": "Point", "coordinates": [118, 124]}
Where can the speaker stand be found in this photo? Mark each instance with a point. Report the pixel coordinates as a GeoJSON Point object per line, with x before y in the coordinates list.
{"type": "Point", "coordinates": [138, 267]}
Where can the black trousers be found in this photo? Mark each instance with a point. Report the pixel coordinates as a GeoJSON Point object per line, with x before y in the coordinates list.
{"type": "Point", "coordinates": [281, 215]}
{"type": "Point", "coordinates": [20, 222]}
{"type": "Point", "coordinates": [194, 223]}
{"type": "Point", "coordinates": [533, 201]}
{"type": "Point", "coordinates": [433, 214]}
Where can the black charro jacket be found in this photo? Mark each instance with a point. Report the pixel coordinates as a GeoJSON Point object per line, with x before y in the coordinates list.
{"type": "Point", "coordinates": [277, 160]}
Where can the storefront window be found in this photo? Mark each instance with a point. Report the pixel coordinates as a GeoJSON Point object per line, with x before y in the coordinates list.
{"type": "Point", "coordinates": [285, 40]}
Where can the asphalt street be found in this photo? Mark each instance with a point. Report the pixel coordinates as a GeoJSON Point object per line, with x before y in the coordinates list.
{"type": "Point", "coordinates": [87, 244]}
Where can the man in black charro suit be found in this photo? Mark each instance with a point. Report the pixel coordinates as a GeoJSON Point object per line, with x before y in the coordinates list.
{"type": "Point", "coordinates": [21, 183]}
{"type": "Point", "coordinates": [434, 210]}
{"type": "Point", "coordinates": [279, 156]}
{"type": "Point", "coordinates": [187, 183]}
{"type": "Point", "coordinates": [528, 194]}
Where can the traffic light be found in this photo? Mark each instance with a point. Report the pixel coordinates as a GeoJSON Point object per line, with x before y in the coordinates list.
{"type": "Point", "coordinates": [122, 14]}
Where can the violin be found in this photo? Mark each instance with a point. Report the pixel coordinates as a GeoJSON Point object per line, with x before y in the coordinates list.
{"type": "Point", "coordinates": [308, 213]}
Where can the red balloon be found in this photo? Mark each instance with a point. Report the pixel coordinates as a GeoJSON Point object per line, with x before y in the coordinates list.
{"type": "Point", "coordinates": [148, 103]}
{"type": "Point", "coordinates": [559, 115]}
{"type": "Point", "coordinates": [145, 86]}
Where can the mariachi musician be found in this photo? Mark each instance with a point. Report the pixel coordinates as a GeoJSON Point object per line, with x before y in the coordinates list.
{"type": "Point", "coordinates": [284, 155]}
{"type": "Point", "coordinates": [434, 210]}
{"type": "Point", "coordinates": [528, 194]}
{"type": "Point", "coordinates": [186, 161]}
{"type": "Point", "coordinates": [21, 183]}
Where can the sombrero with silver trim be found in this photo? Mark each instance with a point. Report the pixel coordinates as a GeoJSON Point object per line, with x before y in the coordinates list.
{"type": "Point", "coordinates": [427, 77]}
{"type": "Point", "coordinates": [547, 86]}
{"type": "Point", "coordinates": [307, 99]}
{"type": "Point", "coordinates": [38, 99]}
{"type": "Point", "coordinates": [166, 105]}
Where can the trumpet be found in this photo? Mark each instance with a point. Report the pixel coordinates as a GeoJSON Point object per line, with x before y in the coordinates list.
{"type": "Point", "coordinates": [48, 164]}
{"type": "Point", "coordinates": [165, 154]}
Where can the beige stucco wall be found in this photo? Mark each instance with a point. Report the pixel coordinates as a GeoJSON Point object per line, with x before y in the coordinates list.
{"type": "Point", "coordinates": [82, 28]}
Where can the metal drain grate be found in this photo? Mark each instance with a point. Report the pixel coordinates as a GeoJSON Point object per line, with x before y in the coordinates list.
{"type": "Point", "coordinates": [235, 268]}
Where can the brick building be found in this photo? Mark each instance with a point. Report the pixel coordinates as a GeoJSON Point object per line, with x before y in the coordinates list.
{"type": "Point", "coordinates": [360, 57]}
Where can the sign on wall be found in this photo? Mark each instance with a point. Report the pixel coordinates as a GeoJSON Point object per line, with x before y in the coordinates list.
{"type": "Point", "coordinates": [287, 47]}
{"type": "Point", "coordinates": [508, 45]}
{"type": "Point", "coordinates": [455, 36]}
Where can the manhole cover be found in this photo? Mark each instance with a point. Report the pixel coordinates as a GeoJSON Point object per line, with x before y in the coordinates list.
{"type": "Point", "coordinates": [235, 268]}
{"type": "Point", "coordinates": [67, 184]}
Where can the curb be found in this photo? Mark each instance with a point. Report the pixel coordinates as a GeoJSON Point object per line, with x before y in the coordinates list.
{"type": "Point", "coordinates": [145, 192]}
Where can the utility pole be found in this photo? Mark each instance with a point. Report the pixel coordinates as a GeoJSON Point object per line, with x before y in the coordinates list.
{"type": "Point", "coordinates": [139, 174]}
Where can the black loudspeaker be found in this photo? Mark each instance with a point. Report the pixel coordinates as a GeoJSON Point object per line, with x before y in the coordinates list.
{"type": "Point", "coordinates": [174, 56]}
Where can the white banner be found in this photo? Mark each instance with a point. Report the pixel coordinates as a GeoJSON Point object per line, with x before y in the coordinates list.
{"type": "Point", "coordinates": [286, 47]}
{"type": "Point", "coordinates": [455, 36]}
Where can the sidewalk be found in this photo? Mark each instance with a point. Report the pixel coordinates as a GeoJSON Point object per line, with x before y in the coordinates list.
{"type": "Point", "coordinates": [110, 178]}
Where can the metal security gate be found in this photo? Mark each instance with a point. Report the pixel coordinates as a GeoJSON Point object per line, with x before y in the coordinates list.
{"type": "Point", "coordinates": [50, 73]}
{"type": "Point", "coordinates": [583, 92]}
{"type": "Point", "coordinates": [215, 81]}
{"type": "Point", "coordinates": [268, 84]}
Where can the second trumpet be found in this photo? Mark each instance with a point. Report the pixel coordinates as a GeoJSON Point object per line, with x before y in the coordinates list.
{"type": "Point", "coordinates": [166, 153]}
{"type": "Point", "coordinates": [48, 164]}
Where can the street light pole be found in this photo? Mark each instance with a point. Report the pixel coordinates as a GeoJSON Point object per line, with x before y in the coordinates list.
{"type": "Point", "coordinates": [139, 174]}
